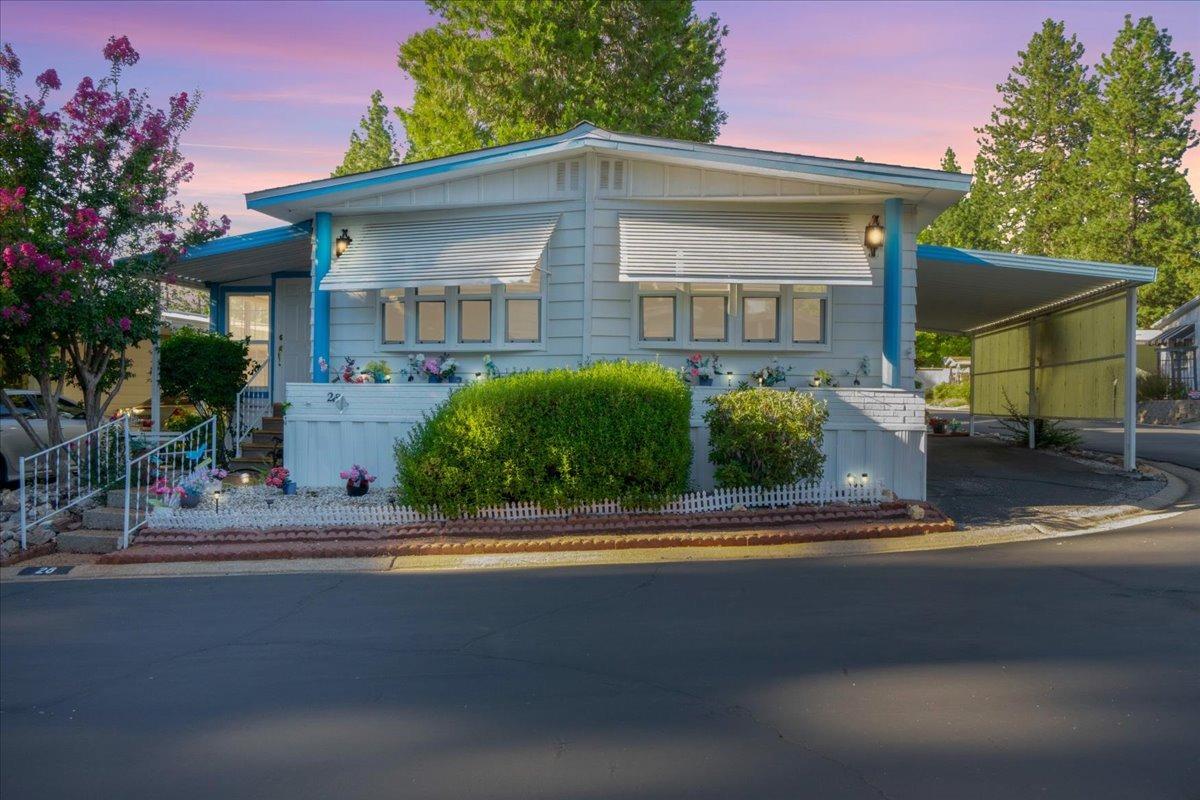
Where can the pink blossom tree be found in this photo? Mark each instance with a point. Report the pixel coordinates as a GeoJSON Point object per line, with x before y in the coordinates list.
{"type": "Point", "coordinates": [90, 221]}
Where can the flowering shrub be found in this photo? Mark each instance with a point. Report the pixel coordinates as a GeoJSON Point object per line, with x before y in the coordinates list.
{"type": "Point", "coordinates": [89, 221]}
{"type": "Point", "coordinates": [163, 490]}
{"type": "Point", "coordinates": [277, 477]}
{"type": "Point", "coordinates": [558, 438]}
{"type": "Point", "coordinates": [357, 475]}
{"type": "Point", "coordinates": [759, 437]}
{"type": "Point", "coordinates": [200, 478]}
{"type": "Point", "coordinates": [773, 373]}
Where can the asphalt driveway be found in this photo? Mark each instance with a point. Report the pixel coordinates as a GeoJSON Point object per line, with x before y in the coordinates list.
{"type": "Point", "coordinates": [981, 481]}
{"type": "Point", "coordinates": [1059, 669]}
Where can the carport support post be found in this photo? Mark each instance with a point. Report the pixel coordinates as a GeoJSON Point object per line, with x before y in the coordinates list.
{"type": "Point", "coordinates": [322, 252]}
{"type": "Point", "coordinates": [1131, 379]}
{"type": "Point", "coordinates": [1031, 408]}
{"type": "Point", "coordinates": [971, 394]}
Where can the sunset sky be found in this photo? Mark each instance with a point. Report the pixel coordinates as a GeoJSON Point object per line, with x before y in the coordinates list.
{"type": "Point", "coordinates": [283, 84]}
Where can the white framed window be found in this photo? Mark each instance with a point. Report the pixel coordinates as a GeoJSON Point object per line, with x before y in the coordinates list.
{"type": "Point", "coordinates": [471, 317]}
{"type": "Point", "coordinates": [770, 317]}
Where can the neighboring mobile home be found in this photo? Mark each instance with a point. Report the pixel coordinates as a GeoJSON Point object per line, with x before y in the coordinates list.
{"type": "Point", "coordinates": [595, 245]}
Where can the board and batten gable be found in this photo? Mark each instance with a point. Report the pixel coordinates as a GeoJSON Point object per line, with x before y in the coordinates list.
{"type": "Point", "coordinates": [532, 189]}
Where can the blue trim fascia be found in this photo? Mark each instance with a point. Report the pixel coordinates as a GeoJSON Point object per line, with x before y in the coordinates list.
{"type": "Point", "coordinates": [1135, 273]}
{"type": "Point", "coordinates": [249, 241]}
{"type": "Point", "coordinates": [893, 290]}
{"type": "Point", "coordinates": [290, 274]}
{"type": "Point", "coordinates": [322, 260]}
{"type": "Point", "coordinates": [421, 172]}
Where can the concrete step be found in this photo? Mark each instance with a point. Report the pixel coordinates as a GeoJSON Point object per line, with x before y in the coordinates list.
{"type": "Point", "coordinates": [115, 498]}
{"type": "Point", "coordinates": [259, 452]}
{"type": "Point", "coordinates": [88, 541]}
{"type": "Point", "coordinates": [107, 519]}
{"type": "Point", "coordinates": [272, 424]}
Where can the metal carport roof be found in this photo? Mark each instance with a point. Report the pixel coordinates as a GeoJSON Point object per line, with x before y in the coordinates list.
{"type": "Point", "coordinates": [965, 291]}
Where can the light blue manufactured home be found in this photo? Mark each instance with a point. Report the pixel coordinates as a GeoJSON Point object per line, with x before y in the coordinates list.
{"type": "Point", "coordinates": [595, 245]}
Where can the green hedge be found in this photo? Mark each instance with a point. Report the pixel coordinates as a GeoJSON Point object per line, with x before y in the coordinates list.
{"type": "Point", "coordinates": [609, 431]}
{"type": "Point", "coordinates": [765, 437]}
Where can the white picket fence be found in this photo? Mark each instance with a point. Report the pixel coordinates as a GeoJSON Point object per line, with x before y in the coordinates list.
{"type": "Point", "coordinates": [299, 515]}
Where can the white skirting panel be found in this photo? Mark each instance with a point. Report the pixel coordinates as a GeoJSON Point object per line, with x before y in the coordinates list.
{"type": "Point", "coordinates": [328, 428]}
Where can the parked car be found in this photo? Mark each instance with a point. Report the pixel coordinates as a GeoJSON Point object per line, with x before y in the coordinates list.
{"type": "Point", "coordinates": [15, 442]}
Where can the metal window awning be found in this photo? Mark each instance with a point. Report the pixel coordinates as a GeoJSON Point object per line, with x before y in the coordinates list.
{"type": "Point", "coordinates": [741, 247]}
{"type": "Point", "coordinates": [389, 255]}
{"type": "Point", "coordinates": [1180, 334]}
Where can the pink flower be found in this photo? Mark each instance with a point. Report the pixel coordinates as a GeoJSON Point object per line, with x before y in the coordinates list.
{"type": "Point", "coordinates": [695, 372]}
{"type": "Point", "coordinates": [49, 80]}
{"type": "Point", "coordinates": [65, 297]}
{"type": "Point", "coordinates": [9, 61]}
{"type": "Point", "coordinates": [120, 52]}
{"type": "Point", "coordinates": [125, 324]}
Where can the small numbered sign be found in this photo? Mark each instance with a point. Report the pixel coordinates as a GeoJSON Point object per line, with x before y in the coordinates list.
{"type": "Point", "coordinates": [45, 570]}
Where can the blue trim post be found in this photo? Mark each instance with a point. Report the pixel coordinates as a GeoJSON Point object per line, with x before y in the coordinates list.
{"type": "Point", "coordinates": [216, 308]}
{"type": "Point", "coordinates": [893, 289]}
{"type": "Point", "coordinates": [322, 257]}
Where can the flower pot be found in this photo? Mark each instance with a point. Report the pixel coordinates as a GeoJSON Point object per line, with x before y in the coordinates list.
{"type": "Point", "coordinates": [939, 427]}
{"type": "Point", "coordinates": [454, 379]}
{"type": "Point", "coordinates": [189, 500]}
{"type": "Point", "coordinates": [289, 487]}
{"type": "Point", "coordinates": [357, 489]}
{"type": "Point", "coordinates": [435, 378]}
{"type": "Point", "coordinates": [704, 380]}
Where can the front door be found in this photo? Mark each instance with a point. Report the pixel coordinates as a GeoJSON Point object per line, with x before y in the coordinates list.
{"type": "Point", "coordinates": [291, 345]}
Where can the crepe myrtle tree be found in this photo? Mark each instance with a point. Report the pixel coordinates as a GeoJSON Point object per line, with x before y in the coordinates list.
{"type": "Point", "coordinates": [90, 221]}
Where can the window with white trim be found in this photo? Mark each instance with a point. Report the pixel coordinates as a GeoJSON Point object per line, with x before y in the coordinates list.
{"type": "Point", "coordinates": [762, 316]}
{"type": "Point", "coordinates": [467, 317]}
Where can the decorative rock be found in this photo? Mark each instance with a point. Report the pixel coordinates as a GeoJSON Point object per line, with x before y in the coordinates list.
{"type": "Point", "coordinates": [40, 535]}
{"type": "Point", "coordinates": [9, 547]}
{"type": "Point", "coordinates": [916, 512]}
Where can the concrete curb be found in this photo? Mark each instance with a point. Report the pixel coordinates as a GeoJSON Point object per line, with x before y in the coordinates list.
{"type": "Point", "coordinates": [1183, 486]}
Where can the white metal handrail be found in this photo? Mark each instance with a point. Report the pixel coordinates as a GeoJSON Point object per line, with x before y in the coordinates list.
{"type": "Point", "coordinates": [164, 467]}
{"type": "Point", "coordinates": [64, 475]}
{"type": "Point", "coordinates": [252, 404]}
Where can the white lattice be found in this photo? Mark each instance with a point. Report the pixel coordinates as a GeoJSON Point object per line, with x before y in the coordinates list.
{"type": "Point", "coordinates": [295, 512]}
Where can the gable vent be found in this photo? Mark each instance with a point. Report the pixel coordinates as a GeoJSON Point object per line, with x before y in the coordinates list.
{"type": "Point", "coordinates": [566, 175]}
{"type": "Point", "coordinates": [612, 176]}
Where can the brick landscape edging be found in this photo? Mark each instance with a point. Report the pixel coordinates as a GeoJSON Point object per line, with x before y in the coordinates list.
{"type": "Point", "coordinates": [479, 537]}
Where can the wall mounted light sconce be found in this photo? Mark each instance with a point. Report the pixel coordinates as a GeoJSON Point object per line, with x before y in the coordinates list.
{"type": "Point", "coordinates": [865, 479]}
{"type": "Point", "coordinates": [343, 241]}
{"type": "Point", "coordinates": [850, 478]}
{"type": "Point", "coordinates": [873, 238]}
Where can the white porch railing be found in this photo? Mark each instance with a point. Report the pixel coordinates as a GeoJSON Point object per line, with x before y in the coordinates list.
{"type": "Point", "coordinates": [253, 403]}
{"type": "Point", "coordinates": [64, 475]}
{"type": "Point", "coordinates": [164, 467]}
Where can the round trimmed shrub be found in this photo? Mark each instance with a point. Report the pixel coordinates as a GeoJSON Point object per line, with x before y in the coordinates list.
{"type": "Point", "coordinates": [765, 437]}
{"type": "Point", "coordinates": [559, 438]}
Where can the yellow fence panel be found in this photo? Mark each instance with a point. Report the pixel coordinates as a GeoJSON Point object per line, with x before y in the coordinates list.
{"type": "Point", "coordinates": [1079, 364]}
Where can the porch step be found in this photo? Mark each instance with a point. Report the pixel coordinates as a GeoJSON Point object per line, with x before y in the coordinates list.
{"type": "Point", "coordinates": [107, 519]}
{"type": "Point", "coordinates": [88, 541]}
{"type": "Point", "coordinates": [272, 424]}
{"type": "Point", "coordinates": [259, 465]}
{"type": "Point", "coordinates": [264, 437]}
{"type": "Point", "coordinates": [260, 450]}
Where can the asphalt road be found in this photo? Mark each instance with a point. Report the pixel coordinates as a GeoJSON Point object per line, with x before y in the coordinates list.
{"type": "Point", "coordinates": [1179, 444]}
{"type": "Point", "coordinates": [1067, 668]}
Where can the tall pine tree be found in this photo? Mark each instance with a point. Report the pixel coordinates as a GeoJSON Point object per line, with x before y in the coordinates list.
{"type": "Point", "coordinates": [373, 145]}
{"type": "Point", "coordinates": [1138, 206]}
{"type": "Point", "coordinates": [1031, 151]}
{"type": "Point", "coordinates": [973, 221]}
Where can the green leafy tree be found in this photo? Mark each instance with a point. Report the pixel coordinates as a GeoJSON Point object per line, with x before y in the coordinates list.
{"type": "Point", "coordinates": [373, 145]}
{"type": "Point", "coordinates": [972, 222]}
{"type": "Point", "coordinates": [208, 369]}
{"type": "Point", "coordinates": [1138, 206]}
{"type": "Point", "coordinates": [933, 348]}
{"type": "Point", "coordinates": [493, 73]}
{"type": "Point", "coordinates": [1032, 149]}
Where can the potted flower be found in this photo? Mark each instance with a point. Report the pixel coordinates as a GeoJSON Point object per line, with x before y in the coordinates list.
{"type": "Point", "coordinates": [358, 480]}
{"type": "Point", "coordinates": [938, 424]}
{"type": "Point", "coordinates": [379, 371]}
{"type": "Point", "coordinates": [773, 373]}
{"type": "Point", "coordinates": [822, 377]}
{"type": "Point", "coordinates": [280, 478]}
{"type": "Point", "coordinates": [195, 484]}
{"type": "Point", "coordinates": [436, 369]}
{"type": "Point", "coordinates": [700, 370]}
{"type": "Point", "coordinates": [165, 492]}
{"type": "Point", "coordinates": [490, 370]}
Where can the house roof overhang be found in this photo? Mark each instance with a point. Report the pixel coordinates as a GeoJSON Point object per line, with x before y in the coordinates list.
{"type": "Point", "coordinates": [251, 255]}
{"type": "Point", "coordinates": [971, 291]}
{"type": "Point", "coordinates": [933, 190]}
